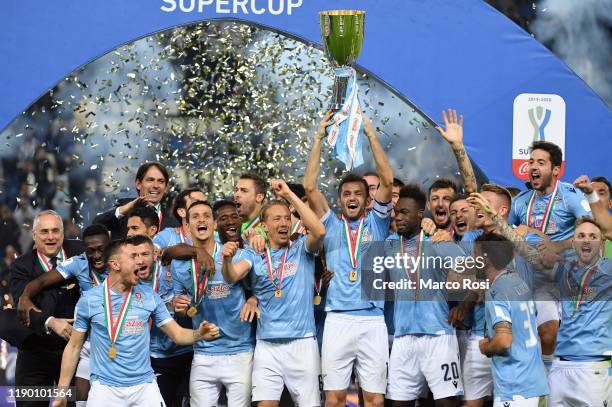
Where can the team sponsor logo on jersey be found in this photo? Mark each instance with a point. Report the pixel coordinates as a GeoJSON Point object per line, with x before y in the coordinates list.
{"type": "Point", "coordinates": [536, 117]}
{"type": "Point", "coordinates": [217, 290]}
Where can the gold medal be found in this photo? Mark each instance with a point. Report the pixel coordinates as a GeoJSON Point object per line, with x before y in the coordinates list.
{"type": "Point", "coordinates": [192, 311]}
{"type": "Point", "coordinates": [278, 293]}
{"type": "Point", "coordinates": [317, 300]}
{"type": "Point", "coordinates": [112, 352]}
{"type": "Point", "coordinates": [353, 275]}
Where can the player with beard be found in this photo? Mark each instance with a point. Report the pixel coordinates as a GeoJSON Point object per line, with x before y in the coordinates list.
{"type": "Point", "coordinates": [228, 361]}
{"type": "Point", "coordinates": [89, 269]}
{"type": "Point", "coordinates": [438, 203]}
{"type": "Point", "coordinates": [355, 335]}
{"type": "Point", "coordinates": [151, 184]}
{"type": "Point", "coordinates": [425, 343]}
{"type": "Point", "coordinates": [373, 181]}
{"type": "Point", "coordinates": [142, 221]}
{"type": "Point", "coordinates": [116, 313]}
{"type": "Point", "coordinates": [283, 281]}
{"type": "Point", "coordinates": [249, 194]}
{"type": "Point", "coordinates": [170, 362]}
{"type": "Point", "coordinates": [579, 377]}
{"type": "Point", "coordinates": [599, 196]}
{"type": "Point", "coordinates": [552, 208]}
{"type": "Point", "coordinates": [519, 377]}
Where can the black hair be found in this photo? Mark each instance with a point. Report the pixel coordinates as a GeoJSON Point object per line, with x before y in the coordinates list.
{"type": "Point", "coordinates": [297, 189]}
{"type": "Point", "coordinates": [221, 203]}
{"type": "Point", "coordinates": [353, 177]}
{"type": "Point", "coordinates": [261, 187]}
{"type": "Point", "coordinates": [194, 204]}
{"type": "Point", "coordinates": [137, 240]}
{"type": "Point", "coordinates": [496, 248]}
{"type": "Point", "coordinates": [180, 202]}
{"type": "Point", "coordinates": [413, 191]}
{"type": "Point", "coordinates": [605, 181]}
{"type": "Point", "coordinates": [556, 155]}
{"type": "Point", "coordinates": [398, 182]}
{"type": "Point", "coordinates": [442, 183]}
{"type": "Point", "coordinates": [142, 170]}
{"type": "Point", "coordinates": [146, 214]}
{"type": "Point", "coordinates": [94, 230]}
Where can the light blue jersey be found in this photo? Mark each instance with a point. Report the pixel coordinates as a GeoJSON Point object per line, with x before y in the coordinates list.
{"type": "Point", "coordinates": [78, 267]}
{"type": "Point", "coordinates": [221, 306]}
{"type": "Point", "coordinates": [161, 345]}
{"type": "Point", "coordinates": [478, 313]}
{"type": "Point", "coordinates": [586, 312]}
{"type": "Point", "coordinates": [170, 237]}
{"type": "Point", "coordinates": [422, 309]}
{"type": "Point", "coordinates": [132, 365]}
{"type": "Point", "coordinates": [290, 316]}
{"type": "Point", "coordinates": [569, 206]}
{"type": "Point", "coordinates": [343, 294]}
{"type": "Point", "coordinates": [520, 372]}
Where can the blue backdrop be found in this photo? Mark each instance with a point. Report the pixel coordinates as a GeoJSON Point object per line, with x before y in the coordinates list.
{"type": "Point", "coordinates": [437, 53]}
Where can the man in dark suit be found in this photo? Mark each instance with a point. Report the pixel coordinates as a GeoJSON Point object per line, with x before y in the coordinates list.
{"type": "Point", "coordinates": [42, 343]}
{"type": "Point", "coordinates": [151, 183]}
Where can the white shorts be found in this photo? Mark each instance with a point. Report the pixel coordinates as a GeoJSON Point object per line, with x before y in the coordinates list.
{"type": "Point", "coordinates": [358, 340]}
{"type": "Point", "coordinates": [463, 337]}
{"type": "Point", "coordinates": [295, 364]}
{"type": "Point", "coordinates": [518, 402]}
{"type": "Point", "coordinates": [418, 361]}
{"type": "Point", "coordinates": [579, 384]}
{"type": "Point", "coordinates": [477, 374]}
{"type": "Point", "coordinates": [547, 304]}
{"type": "Point", "coordinates": [209, 373]}
{"type": "Point", "coordinates": [83, 370]}
{"type": "Point", "coordinates": [146, 394]}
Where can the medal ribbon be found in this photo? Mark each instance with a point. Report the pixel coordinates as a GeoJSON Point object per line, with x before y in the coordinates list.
{"type": "Point", "coordinates": [578, 298]}
{"type": "Point", "coordinates": [419, 250]}
{"type": "Point", "coordinates": [46, 266]}
{"type": "Point", "coordinates": [281, 270]}
{"type": "Point", "coordinates": [155, 281]}
{"type": "Point", "coordinates": [252, 224]}
{"type": "Point", "coordinates": [549, 208]}
{"type": "Point", "coordinates": [199, 288]}
{"type": "Point", "coordinates": [95, 277]}
{"type": "Point", "coordinates": [297, 228]}
{"type": "Point", "coordinates": [115, 330]}
{"type": "Point", "coordinates": [182, 235]}
{"type": "Point", "coordinates": [353, 240]}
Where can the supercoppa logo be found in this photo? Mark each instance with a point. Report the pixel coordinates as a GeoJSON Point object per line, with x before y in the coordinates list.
{"type": "Point", "coordinates": [258, 7]}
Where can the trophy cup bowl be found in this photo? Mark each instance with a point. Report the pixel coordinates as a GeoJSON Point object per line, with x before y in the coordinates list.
{"type": "Point", "coordinates": [342, 32]}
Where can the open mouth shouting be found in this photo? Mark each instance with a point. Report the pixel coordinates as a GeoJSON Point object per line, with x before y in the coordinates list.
{"type": "Point", "coordinates": [98, 264]}
{"type": "Point", "coordinates": [535, 178]}
{"type": "Point", "coordinates": [283, 233]}
{"type": "Point", "coordinates": [461, 226]}
{"type": "Point", "coordinates": [142, 272]}
{"type": "Point", "coordinates": [440, 216]}
{"type": "Point", "coordinates": [232, 232]}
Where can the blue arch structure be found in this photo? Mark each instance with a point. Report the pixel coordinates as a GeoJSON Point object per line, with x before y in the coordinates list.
{"type": "Point", "coordinates": [436, 53]}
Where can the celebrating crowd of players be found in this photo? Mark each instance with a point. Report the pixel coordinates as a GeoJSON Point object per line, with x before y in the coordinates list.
{"type": "Point", "coordinates": [156, 304]}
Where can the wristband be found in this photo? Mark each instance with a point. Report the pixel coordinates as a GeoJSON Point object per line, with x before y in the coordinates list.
{"type": "Point", "coordinates": [593, 197]}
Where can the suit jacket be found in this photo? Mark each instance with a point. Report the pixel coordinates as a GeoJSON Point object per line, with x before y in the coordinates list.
{"type": "Point", "coordinates": [118, 227]}
{"type": "Point", "coordinates": [58, 302]}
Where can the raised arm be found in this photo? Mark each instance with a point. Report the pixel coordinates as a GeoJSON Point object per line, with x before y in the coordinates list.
{"type": "Point", "coordinates": [316, 199]}
{"type": "Point", "coordinates": [599, 208]}
{"type": "Point", "coordinates": [183, 251]}
{"type": "Point", "coordinates": [383, 194]}
{"type": "Point", "coordinates": [453, 134]}
{"type": "Point", "coordinates": [233, 272]}
{"type": "Point", "coordinates": [310, 220]}
{"type": "Point", "coordinates": [184, 336]}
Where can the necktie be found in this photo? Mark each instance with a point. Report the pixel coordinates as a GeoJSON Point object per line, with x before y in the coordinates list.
{"type": "Point", "coordinates": [53, 262]}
